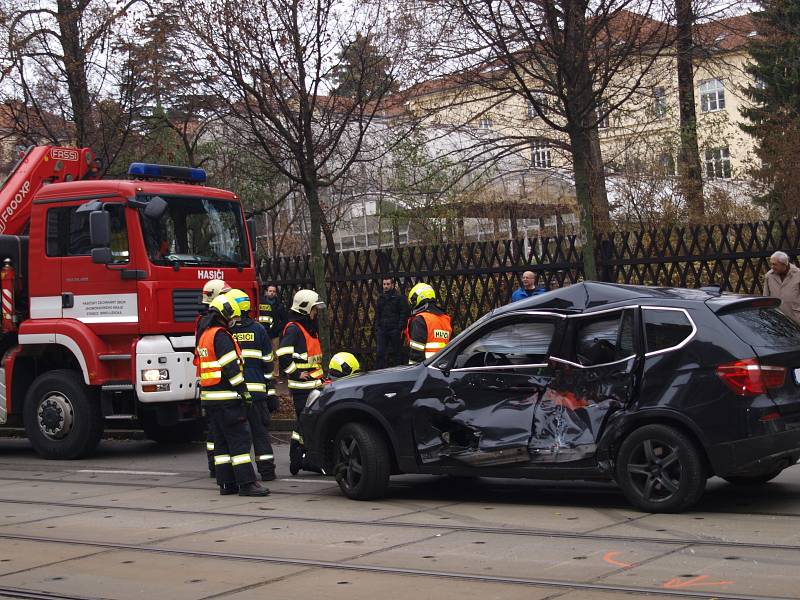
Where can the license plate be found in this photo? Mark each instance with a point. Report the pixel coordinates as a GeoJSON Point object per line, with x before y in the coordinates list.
{"type": "Point", "coordinates": [797, 376]}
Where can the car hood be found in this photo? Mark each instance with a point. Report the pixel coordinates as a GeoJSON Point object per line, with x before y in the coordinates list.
{"type": "Point", "coordinates": [363, 386]}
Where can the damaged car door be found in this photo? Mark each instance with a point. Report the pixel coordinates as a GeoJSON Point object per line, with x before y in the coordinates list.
{"type": "Point", "coordinates": [482, 413]}
{"type": "Point", "coordinates": [594, 376]}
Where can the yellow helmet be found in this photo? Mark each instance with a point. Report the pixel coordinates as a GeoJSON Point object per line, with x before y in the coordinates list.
{"type": "Point", "coordinates": [241, 298]}
{"type": "Point", "coordinates": [343, 364]}
{"type": "Point", "coordinates": [225, 307]}
{"type": "Point", "coordinates": [212, 289]}
{"type": "Point", "coordinates": [420, 293]}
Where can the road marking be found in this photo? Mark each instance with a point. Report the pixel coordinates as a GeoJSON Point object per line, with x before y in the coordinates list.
{"type": "Point", "coordinates": [125, 472]}
{"type": "Point", "coordinates": [677, 582]}
{"type": "Point", "coordinates": [609, 558]}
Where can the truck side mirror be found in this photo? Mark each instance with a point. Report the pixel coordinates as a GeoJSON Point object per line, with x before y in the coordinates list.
{"type": "Point", "coordinates": [156, 208]}
{"type": "Point", "coordinates": [102, 256]}
{"type": "Point", "coordinates": [100, 228]}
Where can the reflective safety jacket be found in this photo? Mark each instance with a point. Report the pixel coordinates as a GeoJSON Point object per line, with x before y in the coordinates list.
{"type": "Point", "coordinates": [257, 354]}
{"type": "Point", "coordinates": [428, 331]}
{"type": "Point", "coordinates": [272, 315]}
{"type": "Point", "coordinates": [220, 366]}
{"type": "Point", "coordinates": [300, 352]}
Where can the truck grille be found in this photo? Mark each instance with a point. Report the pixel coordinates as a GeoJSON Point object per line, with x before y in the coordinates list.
{"type": "Point", "coordinates": [186, 305]}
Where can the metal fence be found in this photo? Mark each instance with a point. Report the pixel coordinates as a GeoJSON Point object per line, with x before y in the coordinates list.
{"type": "Point", "coordinates": [473, 278]}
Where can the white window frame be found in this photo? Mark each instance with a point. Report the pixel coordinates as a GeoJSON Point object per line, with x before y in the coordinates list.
{"type": "Point", "coordinates": [603, 122]}
{"type": "Point", "coordinates": [485, 124]}
{"type": "Point", "coordinates": [540, 154]}
{"type": "Point", "coordinates": [660, 107]}
{"type": "Point", "coordinates": [718, 163]}
{"type": "Point", "coordinates": [712, 95]}
{"type": "Point", "coordinates": [678, 346]}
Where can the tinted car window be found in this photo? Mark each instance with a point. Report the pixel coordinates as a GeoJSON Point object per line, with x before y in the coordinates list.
{"type": "Point", "coordinates": [604, 339]}
{"type": "Point", "coordinates": [521, 343]}
{"type": "Point", "coordinates": [764, 327]}
{"type": "Point", "coordinates": [665, 328]}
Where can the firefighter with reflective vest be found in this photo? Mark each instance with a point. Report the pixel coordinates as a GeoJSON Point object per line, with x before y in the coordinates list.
{"type": "Point", "coordinates": [429, 327]}
{"type": "Point", "coordinates": [300, 356]}
{"type": "Point", "coordinates": [256, 349]}
{"type": "Point", "coordinates": [343, 364]}
{"type": "Point", "coordinates": [224, 395]}
{"type": "Point", "coordinates": [211, 290]}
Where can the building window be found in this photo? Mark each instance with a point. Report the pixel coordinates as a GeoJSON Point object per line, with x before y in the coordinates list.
{"type": "Point", "coordinates": [542, 101]}
{"type": "Point", "coordinates": [540, 154]}
{"type": "Point", "coordinates": [718, 163]}
{"type": "Point", "coordinates": [602, 115]}
{"type": "Point", "coordinates": [712, 95]}
{"type": "Point", "coordinates": [659, 102]}
{"type": "Point", "coordinates": [666, 164]}
{"type": "Point", "coordinates": [485, 123]}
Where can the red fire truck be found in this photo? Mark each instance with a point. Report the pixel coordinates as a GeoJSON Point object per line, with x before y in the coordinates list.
{"type": "Point", "coordinates": [101, 286]}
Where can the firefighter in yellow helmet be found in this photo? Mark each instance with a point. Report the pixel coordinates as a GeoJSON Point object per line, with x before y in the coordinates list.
{"type": "Point", "coordinates": [343, 364]}
{"type": "Point", "coordinates": [257, 354]}
{"type": "Point", "coordinates": [300, 356]}
{"type": "Point", "coordinates": [223, 394]}
{"type": "Point", "coordinates": [429, 328]}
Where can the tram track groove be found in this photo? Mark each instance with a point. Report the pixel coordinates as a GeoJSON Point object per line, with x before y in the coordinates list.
{"type": "Point", "coordinates": [586, 535]}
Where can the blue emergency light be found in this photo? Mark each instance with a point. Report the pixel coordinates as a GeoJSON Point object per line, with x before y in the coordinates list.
{"type": "Point", "coordinates": [150, 171]}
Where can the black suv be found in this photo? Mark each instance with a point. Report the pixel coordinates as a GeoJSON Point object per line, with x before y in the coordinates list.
{"type": "Point", "coordinates": [655, 388]}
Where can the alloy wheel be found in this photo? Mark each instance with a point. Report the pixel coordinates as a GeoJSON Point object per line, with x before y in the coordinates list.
{"type": "Point", "coordinates": [655, 470]}
{"type": "Point", "coordinates": [350, 468]}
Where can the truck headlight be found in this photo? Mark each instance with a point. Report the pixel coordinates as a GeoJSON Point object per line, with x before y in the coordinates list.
{"type": "Point", "coordinates": [312, 397]}
{"type": "Point", "coordinates": [155, 374]}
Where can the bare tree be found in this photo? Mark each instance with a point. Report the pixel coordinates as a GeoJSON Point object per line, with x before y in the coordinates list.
{"type": "Point", "coordinates": [574, 63]}
{"type": "Point", "coordinates": [63, 70]}
{"type": "Point", "coordinates": [271, 61]}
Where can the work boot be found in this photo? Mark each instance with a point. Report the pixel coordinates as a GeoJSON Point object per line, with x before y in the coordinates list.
{"type": "Point", "coordinates": [253, 489]}
{"type": "Point", "coordinates": [309, 466]}
{"type": "Point", "coordinates": [267, 473]}
{"type": "Point", "coordinates": [295, 458]}
{"type": "Point", "coordinates": [228, 489]}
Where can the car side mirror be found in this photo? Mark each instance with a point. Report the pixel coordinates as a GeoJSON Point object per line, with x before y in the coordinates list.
{"type": "Point", "coordinates": [100, 228]}
{"type": "Point", "coordinates": [156, 208]}
{"type": "Point", "coordinates": [444, 367]}
{"type": "Point", "coordinates": [102, 256]}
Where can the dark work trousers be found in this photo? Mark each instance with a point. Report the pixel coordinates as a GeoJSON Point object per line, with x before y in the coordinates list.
{"type": "Point", "coordinates": [389, 343]}
{"type": "Point", "coordinates": [232, 441]}
{"type": "Point", "coordinates": [297, 448]}
{"type": "Point", "coordinates": [209, 445]}
{"type": "Point", "coordinates": [259, 417]}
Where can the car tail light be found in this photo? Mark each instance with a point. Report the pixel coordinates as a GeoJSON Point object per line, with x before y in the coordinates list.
{"type": "Point", "coordinates": [748, 377]}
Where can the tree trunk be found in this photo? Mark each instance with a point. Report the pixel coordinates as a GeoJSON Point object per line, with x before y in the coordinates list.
{"type": "Point", "coordinates": [580, 143]}
{"type": "Point", "coordinates": [597, 183]}
{"type": "Point", "coordinates": [318, 260]}
{"type": "Point", "coordinates": [689, 169]}
{"type": "Point", "coordinates": [69, 18]}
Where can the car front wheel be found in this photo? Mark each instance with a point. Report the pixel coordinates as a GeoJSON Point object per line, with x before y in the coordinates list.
{"type": "Point", "coordinates": [660, 469]}
{"type": "Point", "coordinates": [361, 461]}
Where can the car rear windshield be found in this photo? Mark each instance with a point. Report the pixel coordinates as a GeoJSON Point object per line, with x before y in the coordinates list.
{"type": "Point", "coordinates": [763, 327]}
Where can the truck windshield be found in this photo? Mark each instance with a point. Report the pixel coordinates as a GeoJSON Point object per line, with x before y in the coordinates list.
{"type": "Point", "coordinates": [196, 231]}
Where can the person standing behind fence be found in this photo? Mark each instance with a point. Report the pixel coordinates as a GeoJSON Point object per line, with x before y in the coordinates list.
{"type": "Point", "coordinates": [527, 290]}
{"type": "Point", "coordinates": [783, 281]}
{"type": "Point", "coordinates": [273, 316]}
{"type": "Point", "coordinates": [391, 315]}
{"type": "Point", "coordinates": [429, 328]}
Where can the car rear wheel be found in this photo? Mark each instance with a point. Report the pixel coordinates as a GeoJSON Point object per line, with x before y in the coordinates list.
{"type": "Point", "coordinates": [660, 469]}
{"type": "Point", "coordinates": [747, 480]}
{"type": "Point", "coordinates": [361, 462]}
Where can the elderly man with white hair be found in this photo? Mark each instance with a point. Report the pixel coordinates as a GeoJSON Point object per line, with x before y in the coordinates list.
{"type": "Point", "coordinates": [783, 281]}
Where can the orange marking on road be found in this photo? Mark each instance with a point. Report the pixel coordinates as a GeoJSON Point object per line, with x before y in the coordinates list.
{"type": "Point", "coordinates": [609, 558]}
{"type": "Point", "coordinates": [700, 580]}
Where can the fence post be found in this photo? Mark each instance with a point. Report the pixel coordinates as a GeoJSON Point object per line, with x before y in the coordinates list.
{"type": "Point", "coordinates": [604, 267]}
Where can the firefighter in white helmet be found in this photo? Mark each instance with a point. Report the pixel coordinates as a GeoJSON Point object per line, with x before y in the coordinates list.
{"type": "Point", "coordinates": [300, 356]}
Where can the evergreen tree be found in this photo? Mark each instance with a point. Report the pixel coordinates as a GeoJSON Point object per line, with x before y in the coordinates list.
{"type": "Point", "coordinates": [775, 112]}
{"type": "Point", "coordinates": [362, 71]}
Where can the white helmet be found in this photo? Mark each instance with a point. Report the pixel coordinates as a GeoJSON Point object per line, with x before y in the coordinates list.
{"type": "Point", "coordinates": [305, 300]}
{"type": "Point", "coordinates": [214, 288]}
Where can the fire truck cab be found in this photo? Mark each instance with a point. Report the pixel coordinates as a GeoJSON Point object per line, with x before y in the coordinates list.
{"type": "Point", "coordinates": [106, 289]}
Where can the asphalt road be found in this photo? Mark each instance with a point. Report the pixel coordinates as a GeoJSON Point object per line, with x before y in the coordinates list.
{"type": "Point", "coordinates": [143, 521]}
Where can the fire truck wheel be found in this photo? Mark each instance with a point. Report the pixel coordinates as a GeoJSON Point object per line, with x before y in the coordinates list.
{"type": "Point", "coordinates": [63, 418]}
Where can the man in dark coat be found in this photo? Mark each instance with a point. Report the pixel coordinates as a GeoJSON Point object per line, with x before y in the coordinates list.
{"type": "Point", "coordinates": [391, 316]}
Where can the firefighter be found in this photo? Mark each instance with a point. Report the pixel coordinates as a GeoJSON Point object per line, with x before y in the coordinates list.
{"type": "Point", "coordinates": [211, 290]}
{"type": "Point", "coordinates": [257, 353]}
{"type": "Point", "coordinates": [300, 356]}
{"type": "Point", "coordinates": [343, 364]}
{"type": "Point", "coordinates": [223, 394]}
{"type": "Point", "coordinates": [429, 327]}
